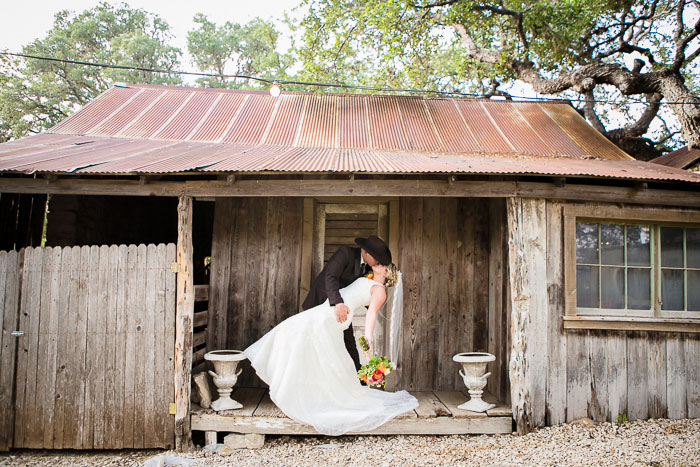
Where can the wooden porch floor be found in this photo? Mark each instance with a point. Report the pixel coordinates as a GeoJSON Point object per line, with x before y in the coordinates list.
{"type": "Point", "coordinates": [437, 414]}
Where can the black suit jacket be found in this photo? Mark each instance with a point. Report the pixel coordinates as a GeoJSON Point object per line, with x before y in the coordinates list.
{"type": "Point", "coordinates": [340, 271]}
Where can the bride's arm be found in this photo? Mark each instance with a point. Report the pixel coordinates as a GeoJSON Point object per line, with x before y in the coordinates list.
{"type": "Point", "coordinates": [377, 299]}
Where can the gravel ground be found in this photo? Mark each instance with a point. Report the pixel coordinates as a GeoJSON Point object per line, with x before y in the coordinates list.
{"type": "Point", "coordinates": [654, 442]}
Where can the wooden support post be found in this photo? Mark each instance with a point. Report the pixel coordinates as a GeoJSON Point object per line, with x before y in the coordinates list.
{"type": "Point", "coordinates": [527, 234]}
{"type": "Point", "coordinates": [184, 326]}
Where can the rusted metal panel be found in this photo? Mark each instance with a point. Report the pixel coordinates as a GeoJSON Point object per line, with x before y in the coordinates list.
{"type": "Point", "coordinates": [156, 116]}
{"type": "Point", "coordinates": [286, 121]}
{"type": "Point", "coordinates": [96, 111]}
{"type": "Point", "coordinates": [385, 126]}
{"type": "Point", "coordinates": [253, 159]}
{"type": "Point", "coordinates": [353, 122]}
{"type": "Point", "coordinates": [202, 156]}
{"type": "Point", "coordinates": [305, 160]}
{"type": "Point", "coordinates": [682, 158]}
{"type": "Point", "coordinates": [41, 159]}
{"type": "Point", "coordinates": [453, 132]}
{"type": "Point", "coordinates": [320, 122]}
{"type": "Point", "coordinates": [252, 121]}
{"type": "Point", "coordinates": [487, 136]}
{"type": "Point", "coordinates": [127, 114]}
{"type": "Point", "coordinates": [582, 133]}
{"type": "Point", "coordinates": [557, 140]}
{"type": "Point", "coordinates": [134, 160]}
{"type": "Point", "coordinates": [188, 117]}
{"type": "Point", "coordinates": [516, 129]}
{"type": "Point", "coordinates": [220, 118]}
{"type": "Point", "coordinates": [420, 130]}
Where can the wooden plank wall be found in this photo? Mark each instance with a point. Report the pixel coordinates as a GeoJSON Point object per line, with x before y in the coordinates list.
{"type": "Point", "coordinates": [95, 366]}
{"type": "Point", "coordinates": [9, 317]}
{"type": "Point", "coordinates": [443, 251]}
{"type": "Point", "coordinates": [444, 256]}
{"type": "Point", "coordinates": [255, 271]}
{"type": "Point", "coordinates": [602, 374]}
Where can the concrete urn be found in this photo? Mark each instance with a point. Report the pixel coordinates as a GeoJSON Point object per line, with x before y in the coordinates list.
{"type": "Point", "coordinates": [474, 376]}
{"type": "Point", "coordinates": [225, 376]}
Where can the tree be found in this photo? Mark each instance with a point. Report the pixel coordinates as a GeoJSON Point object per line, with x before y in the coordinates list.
{"type": "Point", "coordinates": [232, 48]}
{"type": "Point", "coordinates": [37, 94]}
{"type": "Point", "coordinates": [628, 51]}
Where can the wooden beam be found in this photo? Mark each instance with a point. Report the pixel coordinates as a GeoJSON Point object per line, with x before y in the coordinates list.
{"type": "Point", "coordinates": [527, 234]}
{"type": "Point", "coordinates": [358, 188]}
{"type": "Point", "coordinates": [184, 324]}
{"type": "Point", "coordinates": [398, 426]}
{"type": "Point", "coordinates": [201, 293]}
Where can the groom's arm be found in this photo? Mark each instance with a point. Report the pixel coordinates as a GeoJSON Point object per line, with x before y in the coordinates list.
{"type": "Point", "coordinates": [334, 269]}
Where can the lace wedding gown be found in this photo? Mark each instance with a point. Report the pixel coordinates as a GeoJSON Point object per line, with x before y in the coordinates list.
{"type": "Point", "coordinates": [311, 376]}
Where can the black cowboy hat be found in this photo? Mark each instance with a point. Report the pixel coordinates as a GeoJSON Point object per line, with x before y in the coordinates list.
{"type": "Point", "coordinates": [376, 247]}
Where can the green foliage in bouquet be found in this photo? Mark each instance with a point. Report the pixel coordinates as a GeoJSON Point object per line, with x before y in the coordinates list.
{"type": "Point", "coordinates": [364, 345]}
{"type": "Point", "coordinates": [375, 371]}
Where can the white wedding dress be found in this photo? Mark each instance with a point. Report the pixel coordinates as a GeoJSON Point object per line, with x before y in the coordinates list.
{"type": "Point", "coordinates": [311, 376]}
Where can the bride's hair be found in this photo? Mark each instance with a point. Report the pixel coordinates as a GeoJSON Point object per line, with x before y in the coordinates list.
{"type": "Point", "coordinates": [392, 275]}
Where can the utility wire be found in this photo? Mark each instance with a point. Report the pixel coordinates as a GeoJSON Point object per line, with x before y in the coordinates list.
{"type": "Point", "coordinates": [316, 84]}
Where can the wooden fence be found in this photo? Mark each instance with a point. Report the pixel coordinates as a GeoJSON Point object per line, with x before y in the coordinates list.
{"type": "Point", "coordinates": [94, 366]}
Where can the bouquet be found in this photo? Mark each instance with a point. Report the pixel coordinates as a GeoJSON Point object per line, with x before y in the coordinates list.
{"type": "Point", "coordinates": [375, 371]}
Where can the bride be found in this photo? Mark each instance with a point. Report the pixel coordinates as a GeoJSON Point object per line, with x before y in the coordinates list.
{"type": "Point", "coordinates": [312, 377]}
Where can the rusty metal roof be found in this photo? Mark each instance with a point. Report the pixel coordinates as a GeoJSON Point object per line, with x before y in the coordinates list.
{"type": "Point", "coordinates": [683, 158]}
{"type": "Point", "coordinates": [169, 129]}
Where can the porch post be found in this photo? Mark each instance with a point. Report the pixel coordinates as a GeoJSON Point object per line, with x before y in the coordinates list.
{"type": "Point", "coordinates": [527, 234]}
{"type": "Point", "coordinates": [183, 324]}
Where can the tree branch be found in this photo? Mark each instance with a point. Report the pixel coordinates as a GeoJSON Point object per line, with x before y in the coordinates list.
{"type": "Point", "coordinates": [472, 49]}
{"type": "Point", "coordinates": [589, 111]}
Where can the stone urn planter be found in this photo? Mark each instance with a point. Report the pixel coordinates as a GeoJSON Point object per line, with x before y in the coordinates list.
{"type": "Point", "coordinates": [225, 363]}
{"type": "Point", "coordinates": [475, 376]}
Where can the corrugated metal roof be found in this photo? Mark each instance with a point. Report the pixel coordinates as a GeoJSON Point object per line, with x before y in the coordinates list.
{"type": "Point", "coordinates": [77, 154]}
{"type": "Point", "coordinates": [683, 158]}
{"type": "Point", "coordinates": [169, 129]}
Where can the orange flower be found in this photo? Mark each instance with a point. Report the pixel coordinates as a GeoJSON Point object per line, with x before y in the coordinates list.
{"type": "Point", "coordinates": [381, 367]}
{"type": "Point", "coordinates": [370, 275]}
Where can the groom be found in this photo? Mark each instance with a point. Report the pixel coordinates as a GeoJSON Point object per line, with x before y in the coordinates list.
{"type": "Point", "coordinates": [346, 265]}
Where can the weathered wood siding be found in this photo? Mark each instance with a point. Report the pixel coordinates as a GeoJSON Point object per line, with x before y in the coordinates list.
{"type": "Point", "coordinates": [9, 317]}
{"type": "Point", "coordinates": [444, 256]}
{"type": "Point", "coordinates": [95, 363]}
{"type": "Point", "coordinates": [601, 374]}
{"type": "Point", "coordinates": [255, 270]}
{"type": "Point", "coordinates": [443, 251]}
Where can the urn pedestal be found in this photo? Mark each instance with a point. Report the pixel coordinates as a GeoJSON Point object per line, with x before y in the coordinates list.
{"type": "Point", "coordinates": [225, 363]}
{"type": "Point", "coordinates": [474, 375]}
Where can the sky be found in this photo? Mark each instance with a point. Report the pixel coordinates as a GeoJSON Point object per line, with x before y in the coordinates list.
{"type": "Point", "coordinates": [21, 23]}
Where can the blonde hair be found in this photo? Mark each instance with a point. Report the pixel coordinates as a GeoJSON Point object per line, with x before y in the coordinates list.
{"type": "Point", "coordinates": [392, 275]}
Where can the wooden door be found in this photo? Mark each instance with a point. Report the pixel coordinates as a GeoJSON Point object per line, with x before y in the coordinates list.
{"type": "Point", "coordinates": [336, 225]}
{"type": "Point", "coordinates": [94, 366]}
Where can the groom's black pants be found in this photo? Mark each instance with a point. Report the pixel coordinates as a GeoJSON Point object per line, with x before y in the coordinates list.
{"type": "Point", "coordinates": [349, 338]}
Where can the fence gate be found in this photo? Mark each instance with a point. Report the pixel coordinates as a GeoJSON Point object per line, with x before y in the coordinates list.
{"type": "Point", "coordinates": [90, 364]}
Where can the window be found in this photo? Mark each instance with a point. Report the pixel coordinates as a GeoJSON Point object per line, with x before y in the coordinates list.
{"type": "Point", "coordinates": [631, 264]}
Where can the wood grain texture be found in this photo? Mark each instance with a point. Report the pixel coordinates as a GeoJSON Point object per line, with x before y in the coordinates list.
{"type": "Point", "coordinates": [555, 411]}
{"type": "Point", "coordinates": [527, 235]}
{"type": "Point", "coordinates": [183, 324]}
{"type": "Point", "coordinates": [9, 319]}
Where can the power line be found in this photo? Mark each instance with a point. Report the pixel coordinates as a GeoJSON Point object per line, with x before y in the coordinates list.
{"type": "Point", "coordinates": [317, 84]}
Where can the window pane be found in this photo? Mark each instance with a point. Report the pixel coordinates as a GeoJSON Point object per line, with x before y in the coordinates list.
{"type": "Point", "coordinates": [693, 290]}
{"type": "Point", "coordinates": [639, 289]}
{"type": "Point", "coordinates": [692, 248]}
{"type": "Point", "coordinates": [638, 241]}
{"type": "Point", "coordinates": [671, 247]}
{"type": "Point", "coordinates": [612, 240]}
{"type": "Point", "coordinates": [612, 288]}
{"type": "Point", "coordinates": [671, 289]}
{"type": "Point", "coordinates": [587, 286]}
{"type": "Point", "coordinates": [586, 243]}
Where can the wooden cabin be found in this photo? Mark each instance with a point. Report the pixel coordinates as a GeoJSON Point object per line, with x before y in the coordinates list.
{"type": "Point", "coordinates": [182, 220]}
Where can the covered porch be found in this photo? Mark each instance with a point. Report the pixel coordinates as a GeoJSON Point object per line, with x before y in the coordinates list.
{"type": "Point", "coordinates": [437, 414]}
